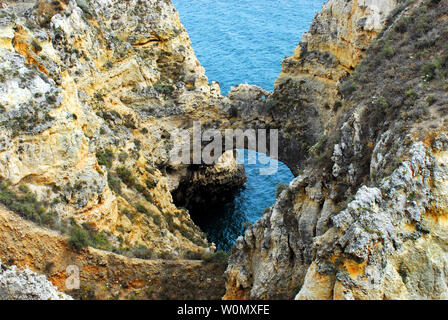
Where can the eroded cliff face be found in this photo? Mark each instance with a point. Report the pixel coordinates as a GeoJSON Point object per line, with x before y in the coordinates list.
{"type": "Point", "coordinates": [92, 90]}
{"type": "Point", "coordinates": [211, 187]}
{"type": "Point", "coordinates": [365, 218]}
{"type": "Point", "coordinates": [102, 274]}
{"type": "Point", "coordinates": [90, 94]}
{"type": "Point", "coordinates": [335, 44]}
{"type": "Point", "coordinates": [305, 96]}
{"type": "Point", "coordinates": [18, 284]}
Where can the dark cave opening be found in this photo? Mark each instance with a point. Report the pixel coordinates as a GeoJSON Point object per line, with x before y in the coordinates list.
{"type": "Point", "coordinates": [224, 211]}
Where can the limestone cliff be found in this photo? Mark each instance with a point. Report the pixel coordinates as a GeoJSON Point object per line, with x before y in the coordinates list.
{"type": "Point", "coordinates": [90, 92]}
{"type": "Point", "coordinates": [26, 285]}
{"type": "Point", "coordinates": [305, 95]}
{"type": "Point", "coordinates": [332, 48]}
{"type": "Point", "coordinates": [365, 218]}
{"type": "Point", "coordinates": [102, 274]}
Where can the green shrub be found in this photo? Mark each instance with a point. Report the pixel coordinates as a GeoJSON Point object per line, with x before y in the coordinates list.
{"type": "Point", "coordinates": [26, 205]}
{"type": "Point", "coordinates": [429, 71]}
{"type": "Point", "coordinates": [347, 88]}
{"type": "Point", "coordinates": [128, 214]}
{"type": "Point", "coordinates": [140, 188]}
{"type": "Point", "coordinates": [219, 257]}
{"type": "Point", "coordinates": [402, 25]}
{"type": "Point", "coordinates": [100, 241]}
{"type": "Point", "coordinates": [157, 220]}
{"type": "Point", "coordinates": [49, 219]}
{"type": "Point", "coordinates": [79, 238]}
{"type": "Point", "coordinates": [141, 208]}
{"type": "Point", "coordinates": [123, 156]}
{"type": "Point", "coordinates": [423, 24]}
{"type": "Point", "coordinates": [318, 150]}
{"type": "Point", "coordinates": [382, 103]}
{"type": "Point", "coordinates": [85, 292]}
{"type": "Point", "coordinates": [144, 192]}
{"type": "Point", "coordinates": [105, 158]}
{"type": "Point", "coordinates": [166, 255]}
{"type": "Point", "coordinates": [114, 183]}
{"type": "Point", "coordinates": [141, 252]}
{"type": "Point", "coordinates": [280, 188]}
{"type": "Point", "coordinates": [163, 88]}
{"type": "Point", "coordinates": [151, 183]}
{"type": "Point", "coordinates": [191, 255]}
{"type": "Point", "coordinates": [412, 95]}
{"type": "Point", "coordinates": [431, 99]}
{"type": "Point", "coordinates": [126, 176]}
{"type": "Point", "coordinates": [388, 51]}
{"type": "Point", "coordinates": [82, 237]}
{"type": "Point", "coordinates": [7, 197]}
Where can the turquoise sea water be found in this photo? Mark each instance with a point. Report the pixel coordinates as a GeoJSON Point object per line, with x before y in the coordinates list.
{"type": "Point", "coordinates": [225, 224]}
{"type": "Point", "coordinates": [239, 41]}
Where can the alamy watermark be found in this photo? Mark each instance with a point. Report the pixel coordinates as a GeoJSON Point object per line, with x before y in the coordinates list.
{"type": "Point", "coordinates": [207, 147]}
{"type": "Point", "coordinates": [72, 282]}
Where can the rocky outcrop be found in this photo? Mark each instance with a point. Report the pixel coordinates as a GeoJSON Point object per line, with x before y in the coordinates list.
{"type": "Point", "coordinates": [102, 274]}
{"type": "Point", "coordinates": [337, 40]}
{"type": "Point", "coordinates": [365, 217]}
{"type": "Point", "coordinates": [305, 96]}
{"type": "Point", "coordinates": [208, 187]}
{"type": "Point", "coordinates": [27, 285]}
{"type": "Point", "coordinates": [90, 93]}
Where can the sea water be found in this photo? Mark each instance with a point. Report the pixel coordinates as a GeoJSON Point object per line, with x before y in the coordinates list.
{"type": "Point", "coordinates": [239, 41]}
{"type": "Point", "coordinates": [225, 224]}
{"type": "Point", "coordinates": [242, 41]}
